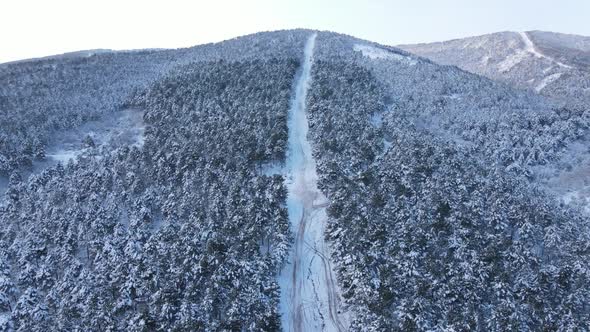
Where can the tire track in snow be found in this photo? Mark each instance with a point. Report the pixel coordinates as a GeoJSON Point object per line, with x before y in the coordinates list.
{"type": "Point", "coordinates": [310, 298]}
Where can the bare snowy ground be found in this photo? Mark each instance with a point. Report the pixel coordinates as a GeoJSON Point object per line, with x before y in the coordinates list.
{"type": "Point", "coordinates": [121, 128]}
{"type": "Point", "coordinates": [310, 298]}
{"type": "Point", "coordinates": [272, 168]}
{"type": "Point", "coordinates": [512, 60]}
{"type": "Point", "coordinates": [124, 128]}
{"type": "Point", "coordinates": [377, 53]}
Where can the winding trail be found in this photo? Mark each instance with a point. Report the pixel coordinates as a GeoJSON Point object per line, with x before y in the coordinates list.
{"type": "Point", "coordinates": [310, 298]}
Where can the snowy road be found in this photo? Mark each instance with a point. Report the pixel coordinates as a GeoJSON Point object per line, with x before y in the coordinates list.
{"type": "Point", "coordinates": [310, 298]}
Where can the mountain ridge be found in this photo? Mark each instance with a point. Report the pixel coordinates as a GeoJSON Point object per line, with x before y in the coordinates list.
{"type": "Point", "coordinates": [442, 209]}
{"type": "Point", "coordinates": [553, 64]}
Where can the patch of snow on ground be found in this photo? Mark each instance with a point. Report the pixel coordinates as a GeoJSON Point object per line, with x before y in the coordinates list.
{"type": "Point", "coordinates": [376, 119]}
{"type": "Point", "coordinates": [578, 198]}
{"type": "Point", "coordinates": [511, 61]}
{"type": "Point", "coordinates": [310, 297]}
{"type": "Point", "coordinates": [433, 125]}
{"type": "Point", "coordinates": [119, 129]}
{"type": "Point", "coordinates": [547, 80]}
{"type": "Point", "coordinates": [64, 156]}
{"type": "Point", "coordinates": [157, 222]}
{"type": "Point", "coordinates": [377, 53]}
{"type": "Point", "coordinates": [475, 43]}
{"type": "Point", "coordinates": [270, 169]}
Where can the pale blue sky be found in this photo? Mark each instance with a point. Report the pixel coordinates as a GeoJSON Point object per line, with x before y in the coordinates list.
{"type": "Point", "coordinates": [33, 28]}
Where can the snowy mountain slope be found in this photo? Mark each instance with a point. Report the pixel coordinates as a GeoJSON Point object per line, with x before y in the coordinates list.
{"type": "Point", "coordinates": [47, 97]}
{"type": "Point", "coordinates": [408, 196]}
{"type": "Point", "coordinates": [400, 185]}
{"type": "Point", "coordinates": [553, 64]}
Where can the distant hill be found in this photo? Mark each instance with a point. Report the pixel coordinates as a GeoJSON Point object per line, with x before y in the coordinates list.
{"type": "Point", "coordinates": [552, 64]}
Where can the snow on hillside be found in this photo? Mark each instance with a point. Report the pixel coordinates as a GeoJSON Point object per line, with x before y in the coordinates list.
{"type": "Point", "coordinates": [530, 48]}
{"type": "Point", "coordinates": [547, 63]}
{"type": "Point", "coordinates": [512, 60]}
{"type": "Point", "coordinates": [547, 80]}
{"type": "Point", "coordinates": [377, 53]}
{"type": "Point", "coordinates": [552, 64]}
{"type": "Point", "coordinates": [124, 128]}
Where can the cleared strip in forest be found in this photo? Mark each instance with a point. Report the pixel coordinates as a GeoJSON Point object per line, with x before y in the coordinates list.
{"type": "Point", "coordinates": [310, 298]}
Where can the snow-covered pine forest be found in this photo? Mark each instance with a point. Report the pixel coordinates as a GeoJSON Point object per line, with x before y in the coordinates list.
{"type": "Point", "coordinates": [432, 227]}
{"type": "Point", "coordinates": [440, 210]}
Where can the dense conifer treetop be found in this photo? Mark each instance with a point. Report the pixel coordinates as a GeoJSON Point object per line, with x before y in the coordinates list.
{"type": "Point", "coordinates": [444, 212]}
